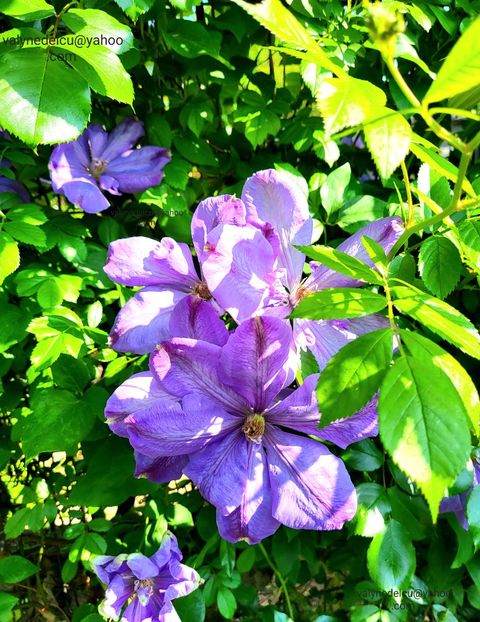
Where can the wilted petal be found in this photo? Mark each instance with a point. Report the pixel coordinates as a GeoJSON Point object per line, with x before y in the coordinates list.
{"type": "Point", "coordinates": [224, 209]}
{"type": "Point", "coordinates": [144, 321]}
{"type": "Point", "coordinates": [186, 366]}
{"type": "Point", "coordinates": [85, 194]}
{"type": "Point", "coordinates": [220, 470]}
{"type": "Point", "coordinates": [324, 338]}
{"type": "Point", "coordinates": [385, 231]}
{"type": "Point", "coordinates": [252, 520]}
{"type": "Point", "coordinates": [171, 429]}
{"type": "Point", "coordinates": [196, 319]}
{"type": "Point", "coordinates": [143, 261]}
{"type": "Point", "coordinates": [122, 139]}
{"type": "Point", "coordinates": [344, 432]}
{"type": "Point", "coordinates": [298, 411]}
{"type": "Point", "coordinates": [254, 362]}
{"type": "Point", "coordinates": [239, 269]}
{"type": "Point", "coordinates": [139, 169]}
{"type": "Point", "coordinates": [272, 197]}
{"type": "Point", "coordinates": [311, 488]}
{"type": "Point", "coordinates": [159, 470]}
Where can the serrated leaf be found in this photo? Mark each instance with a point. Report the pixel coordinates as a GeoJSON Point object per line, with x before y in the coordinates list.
{"type": "Point", "coordinates": [441, 165]}
{"type": "Point", "coordinates": [424, 426]}
{"type": "Point", "coordinates": [49, 294]}
{"type": "Point", "coordinates": [339, 303]}
{"type": "Point", "coordinates": [440, 265]}
{"type": "Point", "coordinates": [95, 23]}
{"type": "Point", "coordinates": [34, 108]}
{"type": "Point", "coordinates": [353, 375]}
{"type": "Point", "coordinates": [460, 71]}
{"type": "Point", "coordinates": [468, 232]}
{"type": "Point", "coordinates": [9, 256]}
{"type": "Point", "coordinates": [391, 558]}
{"type": "Point", "coordinates": [388, 140]}
{"type": "Point", "coordinates": [29, 10]}
{"type": "Point", "coordinates": [192, 39]}
{"type": "Point", "coordinates": [439, 317]}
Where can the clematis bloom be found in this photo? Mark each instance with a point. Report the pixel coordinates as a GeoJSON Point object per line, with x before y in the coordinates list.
{"type": "Point", "coordinates": [147, 585]}
{"type": "Point", "coordinates": [242, 433]}
{"type": "Point", "coordinates": [98, 161]}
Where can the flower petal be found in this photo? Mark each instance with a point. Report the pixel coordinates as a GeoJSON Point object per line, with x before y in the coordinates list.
{"type": "Point", "coordinates": [272, 197]}
{"type": "Point", "coordinates": [196, 318]}
{"type": "Point", "coordinates": [214, 211]}
{"type": "Point", "coordinates": [299, 410]}
{"type": "Point", "coordinates": [159, 470]}
{"type": "Point", "coordinates": [85, 194]}
{"type": "Point", "coordinates": [252, 520]}
{"type": "Point", "coordinates": [11, 185]}
{"type": "Point", "coordinates": [170, 429]}
{"type": "Point", "coordinates": [69, 162]}
{"type": "Point", "coordinates": [141, 566]}
{"type": "Point", "coordinates": [311, 488]}
{"type": "Point", "coordinates": [344, 432]}
{"type": "Point", "coordinates": [238, 267]}
{"type": "Point", "coordinates": [143, 261]}
{"type": "Point", "coordinates": [144, 321]}
{"type": "Point", "coordinates": [186, 366]}
{"type": "Point", "coordinates": [122, 139]}
{"type": "Point", "coordinates": [324, 338]}
{"type": "Point", "coordinates": [139, 169]}
{"type": "Point", "coordinates": [385, 231]}
{"type": "Point", "coordinates": [255, 360]}
{"type": "Point", "coordinates": [97, 139]}
{"type": "Point", "coordinates": [138, 392]}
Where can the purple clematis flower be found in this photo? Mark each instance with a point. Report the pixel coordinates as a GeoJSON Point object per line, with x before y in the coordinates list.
{"type": "Point", "coordinates": [458, 503]}
{"type": "Point", "coordinates": [99, 161]}
{"type": "Point", "coordinates": [11, 185]}
{"type": "Point", "coordinates": [147, 584]}
{"type": "Point", "coordinates": [240, 434]}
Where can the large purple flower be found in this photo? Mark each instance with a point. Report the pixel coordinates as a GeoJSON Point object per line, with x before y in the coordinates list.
{"type": "Point", "coordinates": [458, 503]}
{"type": "Point", "coordinates": [99, 161]}
{"type": "Point", "coordinates": [11, 185]}
{"type": "Point", "coordinates": [240, 434]}
{"type": "Point", "coordinates": [276, 207]}
{"type": "Point", "coordinates": [147, 584]}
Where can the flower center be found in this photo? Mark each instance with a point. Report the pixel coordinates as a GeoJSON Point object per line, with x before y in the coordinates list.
{"type": "Point", "coordinates": [201, 290]}
{"type": "Point", "coordinates": [148, 587]}
{"type": "Point", "coordinates": [299, 294]}
{"type": "Point", "coordinates": [254, 427]}
{"type": "Point", "coordinates": [97, 166]}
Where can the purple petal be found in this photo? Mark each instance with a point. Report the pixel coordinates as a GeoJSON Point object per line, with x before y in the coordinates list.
{"type": "Point", "coordinates": [160, 470]}
{"type": "Point", "coordinates": [186, 366]}
{"type": "Point", "coordinates": [10, 185]}
{"type": "Point", "coordinates": [85, 194]}
{"type": "Point", "coordinates": [144, 321]}
{"type": "Point", "coordinates": [109, 184]}
{"type": "Point", "coordinates": [456, 504]}
{"type": "Point", "coordinates": [238, 267]}
{"type": "Point", "coordinates": [311, 488]}
{"type": "Point", "coordinates": [272, 197]}
{"type": "Point", "coordinates": [324, 338]}
{"type": "Point", "coordinates": [214, 211]}
{"type": "Point", "coordinates": [252, 520]}
{"type": "Point", "coordinates": [220, 471]}
{"type": "Point", "coordinates": [142, 261]}
{"type": "Point", "coordinates": [141, 566]}
{"type": "Point", "coordinates": [122, 138]}
{"type": "Point", "coordinates": [168, 429]}
{"type": "Point", "coordinates": [255, 360]}
{"type": "Point", "coordinates": [69, 162]}
{"type": "Point", "coordinates": [344, 432]}
{"type": "Point", "coordinates": [385, 231]}
{"type": "Point", "coordinates": [137, 612]}
{"type": "Point", "coordinates": [196, 319]}
{"type": "Point", "coordinates": [139, 392]}
{"type": "Point", "coordinates": [168, 551]}
{"type": "Point", "coordinates": [298, 411]}
{"type": "Point", "coordinates": [137, 170]}
{"type": "Point", "coordinates": [116, 595]}
{"type": "Point", "coordinates": [97, 139]}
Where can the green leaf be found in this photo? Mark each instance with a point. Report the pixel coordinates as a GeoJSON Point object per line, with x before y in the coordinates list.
{"type": "Point", "coordinates": [343, 263]}
{"type": "Point", "coordinates": [26, 233]}
{"type": "Point", "coordinates": [9, 256]}
{"type": "Point", "coordinates": [195, 150]}
{"type": "Point", "coordinates": [14, 569]}
{"type": "Point", "coordinates": [460, 71]}
{"type": "Point", "coordinates": [134, 8]}
{"type": "Point", "coordinates": [259, 125]}
{"type": "Point", "coordinates": [332, 191]}
{"type": "Point", "coordinates": [70, 373]}
{"type": "Point", "coordinates": [353, 375]}
{"type": "Point", "coordinates": [440, 265]}
{"type": "Point", "coordinates": [391, 558]}
{"type": "Point", "coordinates": [468, 232]}
{"type": "Point", "coordinates": [363, 456]}
{"type": "Point", "coordinates": [94, 314]}
{"type": "Point", "coordinates": [246, 560]}
{"type": "Point", "coordinates": [226, 602]}
{"type": "Point", "coordinates": [424, 426]}
{"type": "Point", "coordinates": [339, 303]}
{"type": "Point", "coordinates": [473, 515]}
{"type": "Point", "coordinates": [388, 140]}
{"type": "Point", "coordinates": [49, 294]}
{"type": "Point", "coordinates": [420, 347]}
{"type": "Point", "coordinates": [191, 39]}
{"type": "Point", "coordinates": [7, 603]}
{"type": "Point", "coordinates": [15, 322]}
{"type": "Point", "coordinates": [439, 317]}
{"type": "Point", "coordinates": [29, 10]}
{"type": "Point", "coordinates": [95, 23]}
{"type": "Point", "coordinates": [191, 608]}
{"type": "Point", "coordinates": [34, 108]}
{"type": "Point", "coordinates": [345, 102]}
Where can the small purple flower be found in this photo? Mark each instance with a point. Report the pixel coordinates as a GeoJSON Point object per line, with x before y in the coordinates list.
{"type": "Point", "coordinates": [458, 503]}
{"type": "Point", "coordinates": [99, 161]}
{"type": "Point", "coordinates": [147, 584]}
{"type": "Point", "coordinates": [239, 433]}
{"type": "Point", "coordinates": [11, 185]}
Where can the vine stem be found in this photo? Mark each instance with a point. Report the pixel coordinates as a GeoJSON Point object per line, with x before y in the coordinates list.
{"type": "Point", "coordinates": [409, 194]}
{"type": "Point", "coordinates": [279, 576]}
